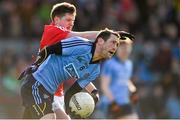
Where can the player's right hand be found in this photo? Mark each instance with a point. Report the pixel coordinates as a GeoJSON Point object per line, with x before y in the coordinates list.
{"type": "Point", "coordinates": [124, 34]}
{"type": "Point", "coordinates": [114, 107]}
{"type": "Point", "coordinates": [126, 37]}
{"type": "Point", "coordinates": [67, 109]}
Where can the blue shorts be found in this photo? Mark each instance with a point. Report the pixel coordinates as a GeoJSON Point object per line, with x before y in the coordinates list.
{"type": "Point", "coordinates": [36, 99]}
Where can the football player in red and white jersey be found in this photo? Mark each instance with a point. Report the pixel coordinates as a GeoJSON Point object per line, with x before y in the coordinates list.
{"type": "Point", "coordinates": [62, 16]}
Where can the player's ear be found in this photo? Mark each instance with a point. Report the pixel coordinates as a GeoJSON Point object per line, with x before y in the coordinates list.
{"type": "Point", "coordinates": [100, 40]}
{"type": "Point", "coordinates": [56, 18]}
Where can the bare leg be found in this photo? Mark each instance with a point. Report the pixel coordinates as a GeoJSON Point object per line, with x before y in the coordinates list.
{"type": "Point", "coordinates": [58, 108]}
{"type": "Point", "coordinates": [60, 114]}
{"type": "Point", "coordinates": [49, 116]}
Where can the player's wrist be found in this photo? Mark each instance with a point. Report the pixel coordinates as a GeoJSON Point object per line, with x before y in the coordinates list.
{"type": "Point", "coordinates": [95, 95]}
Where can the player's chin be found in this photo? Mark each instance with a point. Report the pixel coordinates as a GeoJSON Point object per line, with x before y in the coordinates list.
{"type": "Point", "coordinates": [69, 28]}
{"type": "Point", "coordinates": [109, 56]}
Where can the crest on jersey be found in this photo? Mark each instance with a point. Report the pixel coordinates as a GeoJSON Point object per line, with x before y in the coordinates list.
{"type": "Point", "coordinates": [81, 59]}
{"type": "Point", "coordinates": [71, 70]}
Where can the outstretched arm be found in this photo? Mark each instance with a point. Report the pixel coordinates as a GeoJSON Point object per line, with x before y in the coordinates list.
{"type": "Point", "coordinates": [91, 35]}
{"type": "Point", "coordinates": [57, 48]}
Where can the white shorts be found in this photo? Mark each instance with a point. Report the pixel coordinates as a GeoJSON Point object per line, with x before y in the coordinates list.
{"type": "Point", "coordinates": [58, 103]}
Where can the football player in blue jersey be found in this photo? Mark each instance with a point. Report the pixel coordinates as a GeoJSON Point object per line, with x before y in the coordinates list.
{"type": "Point", "coordinates": [76, 58]}
{"type": "Point", "coordinates": [117, 86]}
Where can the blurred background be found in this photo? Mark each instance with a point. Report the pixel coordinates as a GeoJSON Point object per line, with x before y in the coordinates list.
{"type": "Point", "coordinates": [156, 50]}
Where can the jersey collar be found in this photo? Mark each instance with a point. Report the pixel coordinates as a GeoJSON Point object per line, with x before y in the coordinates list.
{"type": "Point", "coordinates": [92, 52]}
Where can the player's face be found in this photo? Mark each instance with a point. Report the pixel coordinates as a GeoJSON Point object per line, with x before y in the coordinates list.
{"type": "Point", "coordinates": [110, 46]}
{"type": "Point", "coordinates": [66, 21]}
{"type": "Point", "coordinates": [124, 51]}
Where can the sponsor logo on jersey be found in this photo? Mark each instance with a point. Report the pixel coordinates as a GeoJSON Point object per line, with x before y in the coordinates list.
{"type": "Point", "coordinates": [71, 70]}
{"type": "Point", "coordinates": [81, 59]}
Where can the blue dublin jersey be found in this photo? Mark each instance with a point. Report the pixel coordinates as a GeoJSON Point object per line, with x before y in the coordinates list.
{"type": "Point", "coordinates": [120, 73]}
{"type": "Point", "coordinates": [74, 62]}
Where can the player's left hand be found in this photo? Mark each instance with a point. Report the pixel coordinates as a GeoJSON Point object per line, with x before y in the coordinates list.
{"type": "Point", "coordinates": [28, 70]}
{"type": "Point", "coordinates": [41, 57]}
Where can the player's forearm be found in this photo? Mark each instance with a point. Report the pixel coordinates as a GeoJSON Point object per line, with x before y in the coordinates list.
{"type": "Point", "coordinates": [108, 93]}
{"type": "Point", "coordinates": [90, 87]}
{"type": "Point", "coordinates": [131, 86]}
{"type": "Point", "coordinates": [105, 82]}
{"type": "Point", "coordinates": [91, 35]}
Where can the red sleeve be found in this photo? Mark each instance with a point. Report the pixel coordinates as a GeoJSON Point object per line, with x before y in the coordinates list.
{"type": "Point", "coordinates": [60, 90]}
{"type": "Point", "coordinates": [52, 35]}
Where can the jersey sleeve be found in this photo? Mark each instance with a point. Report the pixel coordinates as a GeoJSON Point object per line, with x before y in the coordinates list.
{"type": "Point", "coordinates": [75, 46]}
{"type": "Point", "coordinates": [52, 35]}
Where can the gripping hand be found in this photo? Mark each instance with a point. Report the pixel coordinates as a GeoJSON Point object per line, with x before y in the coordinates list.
{"type": "Point", "coordinates": [124, 34]}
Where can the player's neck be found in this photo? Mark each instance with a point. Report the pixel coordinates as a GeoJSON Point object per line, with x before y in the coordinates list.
{"type": "Point", "coordinates": [97, 56]}
{"type": "Point", "coordinates": [96, 59]}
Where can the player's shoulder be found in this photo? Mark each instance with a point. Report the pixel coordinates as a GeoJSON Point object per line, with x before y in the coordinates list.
{"type": "Point", "coordinates": [76, 39]}
{"type": "Point", "coordinates": [76, 42]}
{"type": "Point", "coordinates": [55, 28]}
{"type": "Point", "coordinates": [78, 45]}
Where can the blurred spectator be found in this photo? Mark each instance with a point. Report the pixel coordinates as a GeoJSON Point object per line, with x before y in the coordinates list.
{"type": "Point", "coordinates": [173, 105]}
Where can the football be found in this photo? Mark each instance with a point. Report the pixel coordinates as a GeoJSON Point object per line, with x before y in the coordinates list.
{"type": "Point", "coordinates": [82, 104]}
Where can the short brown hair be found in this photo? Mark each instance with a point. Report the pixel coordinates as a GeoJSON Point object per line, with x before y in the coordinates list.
{"type": "Point", "coordinates": [106, 33]}
{"type": "Point", "coordinates": [61, 9]}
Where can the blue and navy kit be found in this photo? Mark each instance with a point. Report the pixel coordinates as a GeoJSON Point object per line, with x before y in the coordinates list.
{"type": "Point", "coordinates": [120, 73]}
{"type": "Point", "coordinates": [74, 62]}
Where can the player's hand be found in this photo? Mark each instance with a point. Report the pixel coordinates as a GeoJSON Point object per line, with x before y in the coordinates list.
{"type": "Point", "coordinates": [114, 107]}
{"type": "Point", "coordinates": [41, 57]}
{"type": "Point", "coordinates": [124, 34]}
{"type": "Point", "coordinates": [28, 70]}
{"type": "Point", "coordinates": [67, 109]}
{"type": "Point", "coordinates": [134, 98]}
{"type": "Point", "coordinates": [95, 95]}
{"type": "Point", "coordinates": [74, 116]}
{"type": "Point", "coordinates": [126, 37]}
